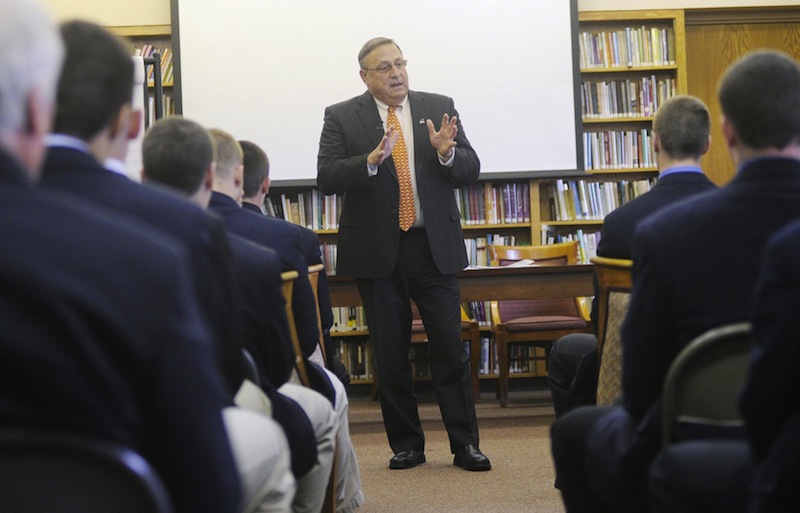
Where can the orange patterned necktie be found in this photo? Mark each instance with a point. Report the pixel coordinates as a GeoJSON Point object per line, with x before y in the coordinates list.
{"type": "Point", "coordinates": [400, 157]}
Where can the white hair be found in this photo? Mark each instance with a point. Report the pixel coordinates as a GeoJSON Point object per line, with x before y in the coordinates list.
{"type": "Point", "coordinates": [31, 54]}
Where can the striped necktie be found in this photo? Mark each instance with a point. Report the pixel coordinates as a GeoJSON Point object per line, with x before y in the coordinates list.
{"type": "Point", "coordinates": [400, 157]}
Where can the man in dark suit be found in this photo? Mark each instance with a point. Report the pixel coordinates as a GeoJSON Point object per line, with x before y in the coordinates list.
{"type": "Point", "coordinates": [93, 125]}
{"type": "Point", "coordinates": [284, 237]}
{"type": "Point", "coordinates": [100, 333]}
{"type": "Point", "coordinates": [256, 187]}
{"type": "Point", "coordinates": [179, 153]}
{"type": "Point", "coordinates": [681, 136]}
{"type": "Point", "coordinates": [695, 268]}
{"type": "Point", "coordinates": [393, 262]}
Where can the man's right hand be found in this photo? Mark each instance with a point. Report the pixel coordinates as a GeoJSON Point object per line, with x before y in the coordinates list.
{"type": "Point", "coordinates": [384, 148]}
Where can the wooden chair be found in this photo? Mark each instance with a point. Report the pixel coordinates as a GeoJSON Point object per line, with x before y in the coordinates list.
{"type": "Point", "coordinates": [702, 386]}
{"type": "Point", "coordinates": [537, 321]}
{"type": "Point", "coordinates": [44, 471]}
{"type": "Point", "coordinates": [313, 277]}
{"type": "Point", "coordinates": [613, 289]}
{"type": "Point", "coordinates": [289, 278]}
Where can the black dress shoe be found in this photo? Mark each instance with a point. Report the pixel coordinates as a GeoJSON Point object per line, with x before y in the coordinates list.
{"type": "Point", "coordinates": [470, 457]}
{"type": "Point", "coordinates": [407, 459]}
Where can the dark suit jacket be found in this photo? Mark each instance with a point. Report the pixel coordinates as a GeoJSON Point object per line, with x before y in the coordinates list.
{"type": "Point", "coordinates": [285, 238]}
{"type": "Point", "coordinates": [100, 335]}
{"type": "Point", "coordinates": [78, 173]}
{"type": "Point", "coordinates": [618, 226]}
{"type": "Point", "coordinates": [771, 395]}
{"type": "Point", "coordinates": [313, 255]}
{"type": "Point", "coordinates": [369, 238]}
{"type": "Point", "coordinates": [695, 266]}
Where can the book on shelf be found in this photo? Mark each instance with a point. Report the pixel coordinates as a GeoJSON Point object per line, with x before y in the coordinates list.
{"type": "Point", "coordinates": [601, 197]}
{"type": "Point", "coordinates": [627, 47]}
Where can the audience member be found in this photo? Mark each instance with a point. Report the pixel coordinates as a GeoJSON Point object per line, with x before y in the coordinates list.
{"type": "Point", "coordinates": [179, 153]}
{"type": "Point", "coordinates": [94, 123]}
{"type": "Point", "coordinates": [101, 332]}
{"type": "Point", "coordinates": [256, 187]}
{"type": "Point", "coordinates": [286, 239]}
{"type": "Point", "coordinates": [681, 136]}
{"type": "Point", "coordinates": [695, 267]}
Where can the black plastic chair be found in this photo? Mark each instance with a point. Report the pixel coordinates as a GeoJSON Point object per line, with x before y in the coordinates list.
{"type": "Point", "coordinates": [701, 388]}
{"type": "Point", "coordinates": [58, 473]}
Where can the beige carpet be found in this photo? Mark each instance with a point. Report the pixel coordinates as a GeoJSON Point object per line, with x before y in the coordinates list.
{"type": "Point", "coordinates": [516, 440]}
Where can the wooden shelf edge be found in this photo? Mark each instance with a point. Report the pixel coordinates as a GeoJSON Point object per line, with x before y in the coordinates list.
{"type": "Point", "coordinates": [141, 30]}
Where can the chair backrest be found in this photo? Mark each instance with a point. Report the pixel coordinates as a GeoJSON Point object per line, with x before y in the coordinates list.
{"type": "Point", "coordinates": [563, 253]}
{"type": "Point", "coordinates": [313, 277]}
{"type": "Point", "coordinates": [42, 471]}
{"type": "Point", "coordinates": [289, 278]}
{"type": "Point", "coordinates": [550, 254]}
{"type": "Point", "coordinates": [702, 387]}
{"type": "Point", "coordinates": [613, 289]}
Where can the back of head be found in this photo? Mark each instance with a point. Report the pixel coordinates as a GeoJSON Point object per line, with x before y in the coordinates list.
{"type": "Point", "coordinates": [256, 167]}
{"type": "Point", "coordinates": [30, 59]}
{"type": "Point", "coordinates": [683, 126]}
{"type": "Point", "coordinates": [177, 152]}
{"type": "Point", "coordinates": [97, 80]}
{"type": "Point", "coordinates": [229, 153]}
{"type": "Point", "coordinates": [760, 97]}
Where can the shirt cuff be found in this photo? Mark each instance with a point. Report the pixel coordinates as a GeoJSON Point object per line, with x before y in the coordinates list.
{"type": "Point", "coordinates": [449, 160]}
{"type": "Point", "coordinates": [372, 170]}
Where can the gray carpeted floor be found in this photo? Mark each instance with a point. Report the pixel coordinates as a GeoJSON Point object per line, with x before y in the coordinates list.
{"type": "Point", "coordinates": [516, 440]}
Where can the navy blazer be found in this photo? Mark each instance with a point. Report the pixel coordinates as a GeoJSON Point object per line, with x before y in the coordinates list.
{"type": "Point", "coordinates": [369, 238]}
{"type": "Point", "coordinates": [695, 266]}
{"type": "Point", "coordinates": [771, 396]}
{"type": "Point", "coordinates": [210, 259]}
{"type": "Point", "coordinates": [100, 335]}
{"type": "Point", "coordinates": [285, 238]}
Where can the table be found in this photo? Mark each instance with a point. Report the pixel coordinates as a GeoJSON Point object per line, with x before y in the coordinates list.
{"type": "Point", "coordinates": [497, 283]}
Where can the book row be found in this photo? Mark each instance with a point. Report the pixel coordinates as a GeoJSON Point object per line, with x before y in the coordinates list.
{"type": "Point", "coordinates": [575, 200]}
{"type": "Point", "coordinates": [311, 209]}
{"type": "Point", "coordinates": [356, 355]}
{"type": "Point", "coordinates": [167, 72]}
{"type": "Point", "coordinates": [476, 247]}
{"type": "Point", "coordinates": [614, 99]}
{"type": "Point", "coordinates": [618, 149]}
{"type": "Point", "coordinates": [587, 241]}
{"type": "Point", "coordinates": [488, 203]}
{"type": "Point", "coordinates": [628, 47]}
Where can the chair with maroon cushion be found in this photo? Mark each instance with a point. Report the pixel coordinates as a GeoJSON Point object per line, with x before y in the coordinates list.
{"type": "Point", "coordinates": [534, 322]}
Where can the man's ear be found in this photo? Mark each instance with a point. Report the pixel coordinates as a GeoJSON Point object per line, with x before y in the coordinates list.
{"type": "Point", "coordinates": [265, 186]}
{"type": "Point", "coordinates": [728, 132]}
{"type": "Point", "coordinates": [656, 143]}
{"type": "Point", "coordinates": [208, 177]}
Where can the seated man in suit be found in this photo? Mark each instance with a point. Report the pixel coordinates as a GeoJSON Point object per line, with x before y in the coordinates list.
{"type": "Point", "coordinates": [94, 123]}
{"type": "Point", "coordinates": [695, 266]}
{"type": "Point", "coordinates": [286, 239]}
{"type": "Point", "coordinates": [101, 333]}
{"type": "Point", "coordinates": [179, 153]}
{"type": "Point", "coordinates": [256, 187]}
{"type": "Point", "coordinates": [681, 136]}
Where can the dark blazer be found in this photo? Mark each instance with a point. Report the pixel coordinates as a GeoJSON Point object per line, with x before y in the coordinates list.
{"type": "Point", "coordinates": [618, 226]}
{"type": "Point", "coordinates": [368, 238]}
{"type": "Point", "coordinates": [78, 173]}
{"type": "Point", "coordinates": [313, 255]}
{"type": "Point", "coordinates": [100, 335]}
{"type": "Point", "coordinates": [694, 268]}
{"type": "Point", "coordinates": [771, 396]}
{"type": "Point", "coordinates": [285, 238]}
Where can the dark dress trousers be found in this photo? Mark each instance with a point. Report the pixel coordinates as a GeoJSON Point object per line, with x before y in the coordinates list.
{"type": "Point", "coordinates": [78, 173]}
{"type": "Point", "coordinates": [100, 335]}
{"type": "Point", "coordinates": [695, 268]}
{"type": "Point", "coordinates": [391, 267]}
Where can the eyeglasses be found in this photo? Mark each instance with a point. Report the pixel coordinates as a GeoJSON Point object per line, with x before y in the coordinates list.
{"type": "Point", "coordinates": [385, 67]}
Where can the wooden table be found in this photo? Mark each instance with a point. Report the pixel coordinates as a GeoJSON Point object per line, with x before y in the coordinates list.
{"type": "Point", "coordinates": [497, 283]}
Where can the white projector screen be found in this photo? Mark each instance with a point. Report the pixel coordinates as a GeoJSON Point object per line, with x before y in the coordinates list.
{"type": "Point", "coordinates": [265, 70]}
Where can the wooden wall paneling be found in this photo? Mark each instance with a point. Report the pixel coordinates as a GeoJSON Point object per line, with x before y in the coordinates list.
{"type": "Point", "coordinates": [715, 38]}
